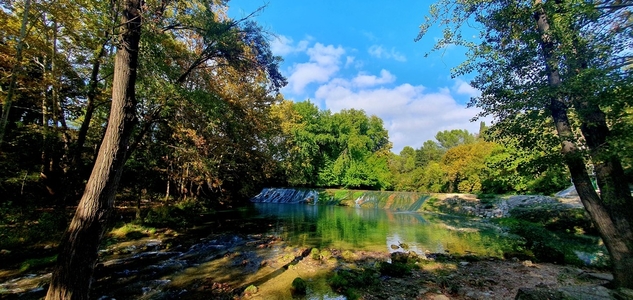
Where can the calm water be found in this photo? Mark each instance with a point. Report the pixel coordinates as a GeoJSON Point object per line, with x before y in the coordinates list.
{"type": "Point", "coordinates": [152, 269]}
{"type": "Point", "coordinates": [352, 228]}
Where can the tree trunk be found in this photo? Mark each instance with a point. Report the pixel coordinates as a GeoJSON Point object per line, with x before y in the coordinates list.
{"type": "Point", "coordinates": [609, 213]}
{"type": "Point", "coordinates": [6, 107]}
{"type": "Point", "coordinates": [90, 107]}
{"type": "Point", "coordinates": [78, 250]}
{"type": "Point", "coordinates": [614, 190]}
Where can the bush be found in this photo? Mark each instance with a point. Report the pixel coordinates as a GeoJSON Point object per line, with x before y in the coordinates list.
{"type": "Point", "coordinates": [548, 246]}
{"type": "Point", "coordinates": [299, 286]}
{"type": "Point", "coordinates": [347, 282]}
{"type": "Point", "coordinates": [181, 215]}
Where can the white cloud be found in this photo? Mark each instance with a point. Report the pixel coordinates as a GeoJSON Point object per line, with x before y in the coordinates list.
{"type": "Point", "coordinates": [283, 45]}
{"type": "Point", "coordinates": [379, 52]}
{"type": "Point", "coordinates": [371, 80]}
{"type": "Point", "coordinates": [323, 63]}
{"type": "Point", "coordinates": [349, 61]}
{"type": "Point", "coordinates": [463, 88]}
{"type": "Point", "coordinates": [410, 113]}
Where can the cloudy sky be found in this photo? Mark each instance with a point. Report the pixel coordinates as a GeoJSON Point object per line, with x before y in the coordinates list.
{"type": "Point", "coordinates": [361, 54]}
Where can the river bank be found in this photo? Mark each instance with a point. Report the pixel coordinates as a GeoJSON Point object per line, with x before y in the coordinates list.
{"type": "Point", "coordinates": [236, 255]}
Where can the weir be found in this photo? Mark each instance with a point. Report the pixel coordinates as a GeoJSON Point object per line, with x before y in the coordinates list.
{"type": "Point", "coordinates": [389, 200]}
{"type": "Point", "coordinates": [286, 195]}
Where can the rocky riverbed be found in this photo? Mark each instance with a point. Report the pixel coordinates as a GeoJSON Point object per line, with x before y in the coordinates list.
{"type": "Point", "coordinates": [498, 207]}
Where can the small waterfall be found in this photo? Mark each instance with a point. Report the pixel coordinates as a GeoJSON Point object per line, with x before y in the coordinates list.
{"type": "Point", "coordinates": [286, 195]}
{"type": "Point", "coordinates": [394, 201]}
{"type": "Point", "coordinates": [569, 192]}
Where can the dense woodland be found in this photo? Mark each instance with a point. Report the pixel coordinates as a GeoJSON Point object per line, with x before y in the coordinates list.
{"type": "Point", "coordinates": [202, 119]}
{"type": "Point", "coordinates": [211, 124]}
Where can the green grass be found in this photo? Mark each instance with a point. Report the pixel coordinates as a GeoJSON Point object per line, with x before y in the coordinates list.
{"type": "Point", "coordinates": [132, 231]}
{"type": "Point", "coordinates": [36, 263]}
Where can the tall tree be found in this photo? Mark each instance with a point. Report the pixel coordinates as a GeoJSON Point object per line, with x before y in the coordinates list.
{"type": "Point", "coordinates": [560, 60]}
{"type": "Point", "coordinates": [453, 138]}
{"type": "Point", "coordinates": [78, 250]}
{"type": "Point", "coordinates": [8, 101]}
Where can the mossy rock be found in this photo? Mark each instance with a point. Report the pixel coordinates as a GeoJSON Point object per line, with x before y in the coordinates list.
{"type": "Point", "coordinates": [299, 286]}
{"type": "Point", "coordinates": [348, 282]}
{"type": "Point", "coordinates": [394, 269]}
{"type": "Point", "coordinates": [251, 289]}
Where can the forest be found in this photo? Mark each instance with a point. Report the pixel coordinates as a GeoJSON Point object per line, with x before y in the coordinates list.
{"type": "Point", "coordinates": [188, 109]}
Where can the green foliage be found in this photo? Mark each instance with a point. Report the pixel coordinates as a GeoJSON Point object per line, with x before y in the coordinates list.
{"type": "Point", "coordinates": [556, 218]}
{"type": "Point", "coordinates": [37, 263]}
{"type": "Point", "coordinates": [23, 226]}
{"type": "Point", "coordinates": [542, 244]}
{"type": "Point", "coordinates": [470, 165]}
{"type": "Point", "coordinates": [299, 286]}
{"type": "Point", "coordinates": [347, 149]}
{"type": "Point", "coordinates": [453, 138]}
{"type": "Point", "coordinates": [180, 215]}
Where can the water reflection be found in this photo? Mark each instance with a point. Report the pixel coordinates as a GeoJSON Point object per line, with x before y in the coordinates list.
{"type": "Point", "coordinates": [357, 228]}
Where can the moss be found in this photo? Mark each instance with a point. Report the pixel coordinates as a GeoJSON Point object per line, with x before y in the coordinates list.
{"type": "Point", "coordinates": [432, 204]}
{"type": "Point", "coordinates": [348, 255]}
{"type": "Point", "coordinates": [394, 269]}
{"type": "Point", "coordinates": [348, 282]}
{"type": "Point", "coordinates": [325, 254]}
{"type": "Point", "coordinates": [131, 231]}
{"type": "Point", "coordinates": [251, 289]}
{"type": "Point", "coordinates": [299, 286]}
{"type": "Point", "coordinates": [36, 263]}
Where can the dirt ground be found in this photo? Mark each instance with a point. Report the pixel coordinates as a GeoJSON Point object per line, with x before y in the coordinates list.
{"type": "Point", "coordinates": [487, 279]}
{"type": "Point", "coordinates": [445, 278]}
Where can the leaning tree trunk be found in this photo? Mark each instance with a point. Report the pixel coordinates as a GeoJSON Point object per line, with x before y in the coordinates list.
{"type": "Point", "coordinates": [609, 212]}
{"type": "Point", "coordinates": [78, 250]}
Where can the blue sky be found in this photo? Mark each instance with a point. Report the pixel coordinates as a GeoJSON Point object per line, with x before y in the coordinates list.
{"type": "Point", "coordinates": [361, 54]}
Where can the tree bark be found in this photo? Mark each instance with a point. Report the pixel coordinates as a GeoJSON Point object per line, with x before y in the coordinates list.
{"type": "Point", "coordinates": [72, 274]}
{"type": "Point", "coordinates": [609, 212]}
{"type": "Point", "coordinates": [614, 190]}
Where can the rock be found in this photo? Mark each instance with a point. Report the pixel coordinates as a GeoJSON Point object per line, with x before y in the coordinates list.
{"type": "Point", "coordinates": [565, 293]}
{"type": "Point", "coordinates": [395, 247]}
{"type": "Point", "coordinates": [527, 263]}
{"type": "Point", "coordinates": [251, 289]}
{"type": "Point", "coordinates": [541, 293]}
{"type": "Point", "coordinates": [463, 263]}
{"type": "Point", "coordinates": [400, 257]}
{"type": "Point", "coordinates": [597, 292]}
{"type": "Point", "coordinates": [602, 276]}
